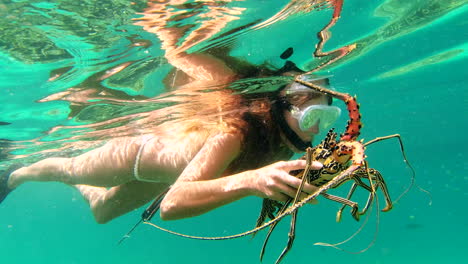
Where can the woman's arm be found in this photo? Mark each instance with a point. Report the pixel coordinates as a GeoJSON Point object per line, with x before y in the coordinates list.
{"type": "Point", "coordinates": [199, 190]}
{"type": "Point", "coordinates": [175, 40]}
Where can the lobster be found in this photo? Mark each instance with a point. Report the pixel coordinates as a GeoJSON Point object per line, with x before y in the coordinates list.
{"type": "Point", "coordinates": [343, 160]}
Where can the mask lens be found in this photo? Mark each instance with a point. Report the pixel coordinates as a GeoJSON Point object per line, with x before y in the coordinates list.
{"type": "Point", "coordinates": [324, 114]}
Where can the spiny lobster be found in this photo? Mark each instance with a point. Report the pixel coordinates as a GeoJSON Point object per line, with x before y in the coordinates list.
{"type": "Point", "coordinates": [343, 160]}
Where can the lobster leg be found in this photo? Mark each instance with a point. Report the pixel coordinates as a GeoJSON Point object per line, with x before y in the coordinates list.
{"type": "Point", "coordinates": [350, 193]}
{"type": "Point", "coordinates": [370, 189]}
{"type": "Point", "coordinates": [383, 186]}
{"type": "Point", "coordinates": [376, 180]}
{"type": "Point", "coordinates": [369, 174]}
{"type": "Point", "coordinates": [370, 199]}
{"type": "Point", "coordinates": [269, 208]}
{"type": "Point", "coordinates": [353, 205]}
{"type": "Point", "coordinates": [291, 237]}
{"type": "Point", "coordinates": [272, 227]}
{"type": "Point", "coordinates": [357, 183]}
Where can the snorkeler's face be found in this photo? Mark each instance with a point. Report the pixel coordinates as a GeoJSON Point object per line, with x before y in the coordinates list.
{"type": "Point", "coordinates": [306, 134]}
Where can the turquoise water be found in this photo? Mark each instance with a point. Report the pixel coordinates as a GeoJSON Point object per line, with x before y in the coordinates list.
{"type": "Point", "coordinates": [409, 75]}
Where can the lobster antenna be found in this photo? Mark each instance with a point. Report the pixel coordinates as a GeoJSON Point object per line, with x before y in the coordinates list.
{"type": "Point", "coordinates": [405, 159]}
{"type": "Point", "coordinates": [288, 211]}
{"type": "Point", "coordinates": [335, 246]}
{"type": "Point", "coordinates": [147, 214]}
{"type": "Point", "coordinates": [362, 225]}
{"type": "Point", "coordinates": [304, 175]}
{"type": "Point", "coordinates": [129, 232]}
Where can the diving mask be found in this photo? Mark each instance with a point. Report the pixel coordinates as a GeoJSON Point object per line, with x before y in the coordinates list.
{"type": "Point", "coordinates": [308, 117]}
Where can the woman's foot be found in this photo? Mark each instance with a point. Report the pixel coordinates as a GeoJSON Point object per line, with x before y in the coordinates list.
{"type": "Point", "coordinates": [4, 176]}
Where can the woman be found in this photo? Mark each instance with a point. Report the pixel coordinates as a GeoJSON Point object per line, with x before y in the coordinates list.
{"type": "Point", "coordinates": [215, 147]}
{"type": "Point", "coordinates": [231, 149]}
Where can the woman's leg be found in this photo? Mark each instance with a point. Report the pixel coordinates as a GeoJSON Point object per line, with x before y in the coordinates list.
{"type": "Point", "coordinates": [107, 166]}
{"type": "Point", "coordinates": [109, 204]}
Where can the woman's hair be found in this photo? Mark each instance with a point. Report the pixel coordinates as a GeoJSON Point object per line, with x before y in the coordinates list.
{"type": "Point", "coordinates": [220, 109]}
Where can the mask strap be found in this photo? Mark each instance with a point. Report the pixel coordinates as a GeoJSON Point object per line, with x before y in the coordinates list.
{"type": "Point", "coordinates": [278, 108]}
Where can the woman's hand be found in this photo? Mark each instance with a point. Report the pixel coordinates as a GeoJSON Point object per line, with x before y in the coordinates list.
{"type": "Point", "coordinates": [275, 182]}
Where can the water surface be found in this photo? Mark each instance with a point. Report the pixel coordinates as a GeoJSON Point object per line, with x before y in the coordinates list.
{"type": "Point", "coordinates": [408, 72]}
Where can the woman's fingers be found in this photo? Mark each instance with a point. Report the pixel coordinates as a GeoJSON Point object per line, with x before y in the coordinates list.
{"type": "Point", "coordinates": [275, 182]}
{"type": "Point", "coordinates": [296, 183]}
{"type": "Point", "coordinates": [288, 190]}
{"type": "Point", "coordinates": [291, 194]}
{"type": "Point", "coordinates": [297, 165]}
{"type": "Point", "coordinates": [280, 197]}
{"type": "Point", "coordinates": [291, 165]}
{"type": "Point", "coordinates": [316, 165]}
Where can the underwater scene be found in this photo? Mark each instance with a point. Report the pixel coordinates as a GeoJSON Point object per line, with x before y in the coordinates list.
{"type": "Point", "coordinates": [76, 74]}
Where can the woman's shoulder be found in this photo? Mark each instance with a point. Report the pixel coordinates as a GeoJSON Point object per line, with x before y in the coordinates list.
{"type": "Point", "coordinates": [229, 140]}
